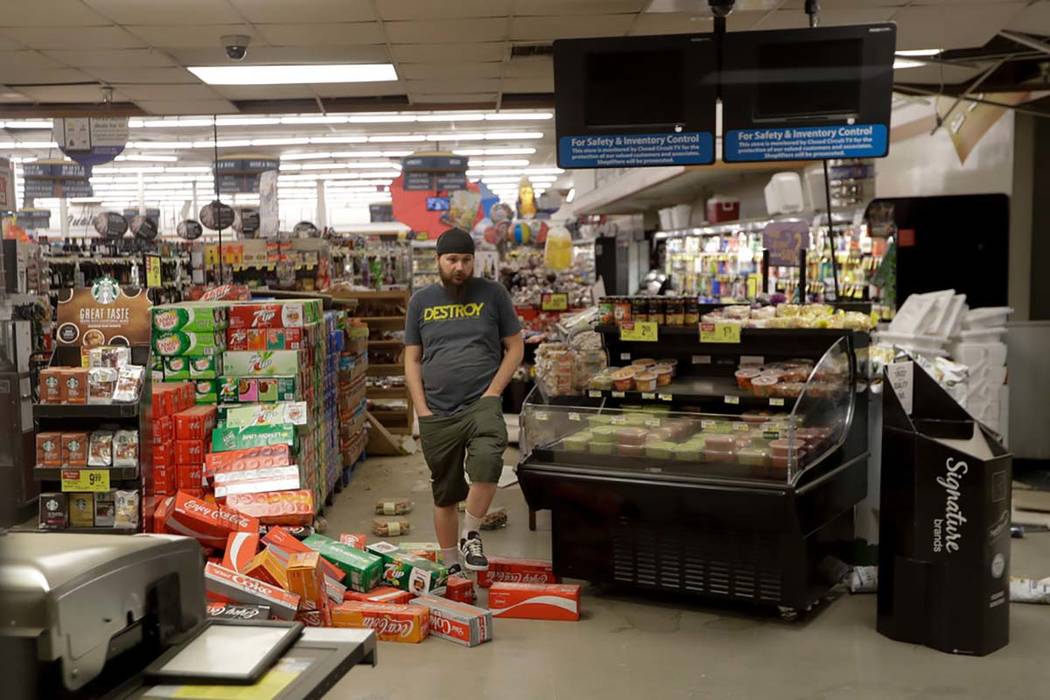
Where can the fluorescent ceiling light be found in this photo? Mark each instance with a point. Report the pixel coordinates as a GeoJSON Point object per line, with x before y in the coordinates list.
{"type": "Point", "coordinates": [494, 151]}
{"type": "Point", "coordinates": [300, 141]}
{"type": "Point", "coordinates": [902, 63]}
{"type": "Point", "coordinates": [166, 145]}
{"type": "Point", "coordinates": [920, 52]}
{"type": "Point", "coordinates": [318, 119]}
{"type": "Point", "coordinates": [248, 121]}
{"type": "Point", "coordinates": [168, 123]}
{"type": "Point", "coordinates": [295, 75]}
{"type": "Point", "coordinates": [27, 144]}
{"type": "Point", "coordinates": [149, 159]}
{"type": "Point", "coordinates": [28, 124]}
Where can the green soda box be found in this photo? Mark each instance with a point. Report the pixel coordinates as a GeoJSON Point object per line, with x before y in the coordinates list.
{"type": "Point", "coordinates": [228, 389]}
{"type": "Point", "coordinates": [171, 343]}
{"type": "Point", "coordinates": [226, 438]}
{"type": "Point", "coordinates": [409, 572]}
{"type": "Point", "coordinates": [363, 569]}
{"type": "Point", "coordinates": [206, 391]}
{"type": "Point", "coordinates": [175, 368]}
{"type": "Point", "coordinates": [197, 318]}
{"type": "Point", "coordinates": [261, 363]}
{"type": "Point", "coordinates": [205, 366]}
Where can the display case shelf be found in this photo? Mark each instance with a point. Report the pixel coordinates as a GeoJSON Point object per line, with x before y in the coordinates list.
{"type": "Point", "coordinates": [97, 411]}
{"type": "Point", "coordinates": [709, 391]}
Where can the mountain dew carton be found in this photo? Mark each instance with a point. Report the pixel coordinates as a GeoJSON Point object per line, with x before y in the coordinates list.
{"type": "Point", "coordinates": [191, 317]}
{"type": "Point", "coordinates": [363, 569]}
{"type": "Point", "coordinates": [409, 572]}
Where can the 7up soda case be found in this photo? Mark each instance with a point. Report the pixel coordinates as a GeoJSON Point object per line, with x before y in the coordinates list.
{"type": "Point", "coordinates": [363, 569]}
{"type": "Point", "coordinates": [283, 314]}
{"type": "Point", "coordinates": [409, 572]}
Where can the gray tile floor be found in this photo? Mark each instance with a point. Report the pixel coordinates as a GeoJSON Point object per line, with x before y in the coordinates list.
{"type": "Point", "coordinates": [634, 648]}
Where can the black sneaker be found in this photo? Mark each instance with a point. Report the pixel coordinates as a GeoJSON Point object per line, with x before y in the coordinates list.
{"type": "Point", "coordinates": [472, 553]}
{"type": "Point", "coordinates": [455, 570]}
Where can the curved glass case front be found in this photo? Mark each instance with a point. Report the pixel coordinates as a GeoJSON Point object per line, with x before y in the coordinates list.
{"type": "Point", "coordinates": [650, 439]}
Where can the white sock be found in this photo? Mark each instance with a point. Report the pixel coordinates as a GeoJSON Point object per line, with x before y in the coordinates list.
{"type": "Point", "coordinates": [450, 556]}
{"type": "Point", "coordinates": [471, 523]}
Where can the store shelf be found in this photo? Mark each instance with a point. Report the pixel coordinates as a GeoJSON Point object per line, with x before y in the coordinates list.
{"type": "Point", "coordinates": [711, 390]}
{"type": "Point", "coordinates": [385, 343]}
{"type": "Point", "coordinates": [115, 473]}
{"type": "Point", "coordinates": [391, 370]}
{"type": "Point", "coordinates": [397, 392]}
{"type": "Point", "coordinates": [381, 319]}
{"type": "Point", "coordinates": [58, 410]}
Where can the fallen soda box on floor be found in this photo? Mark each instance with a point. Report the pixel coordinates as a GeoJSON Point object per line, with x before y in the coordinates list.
{"type": "Point", "coordinates": [533, 601]}
{"type": "Point", "coordinates": [381, 594]}
{"type": "Point", "coordinates": [461, 589]}
{"type": "Point", "coordinates": [209, 524]}
{"type": "Point", "coordinates": [392, 623]}
{"type": "Point", "coordinates": [409, 572]}
{"type": "Point", "coordinates": [227, 585]}
{"type": "Point", "coordinates": [507, 570]}
{"type": "Point", "coordinates": [457, 622]}
{"type": "Point", "coordinates": [283, 545]}
{"type": "Point", "coordinates": [240, 550]}
{"type": "Point", "coordinates": [229, 611]}
{"type": "Point", "coordinates": [363, 569]}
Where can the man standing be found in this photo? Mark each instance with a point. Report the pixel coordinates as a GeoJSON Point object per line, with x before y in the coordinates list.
{"type": "Point", "coordinates": [462, 345]}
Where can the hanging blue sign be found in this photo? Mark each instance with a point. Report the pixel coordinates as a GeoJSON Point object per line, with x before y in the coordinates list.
{"type": "Point", "coordinates": [636, 150]}
{"type": "Point", "coordinates": [91, 140]}
{"type": "Point", "coordinates": [805, 143]}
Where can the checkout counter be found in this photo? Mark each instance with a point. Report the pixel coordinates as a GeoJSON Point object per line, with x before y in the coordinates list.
{"type": "Point", "coordinates": [84, 615]}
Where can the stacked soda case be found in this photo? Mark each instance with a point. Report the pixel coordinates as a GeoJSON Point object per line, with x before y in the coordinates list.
{"type": "Point", "coordinates": [188, 342]}
{"type": "Point", "coordinates": [336, 341]}
{"type": "Point", "coordinates": [353, 366]}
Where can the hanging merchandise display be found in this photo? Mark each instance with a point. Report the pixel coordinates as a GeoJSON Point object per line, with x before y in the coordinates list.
{"type": "Point", "coordinates": [189, 229]}
{"type": "Point", "coordinates": [110, 224]}
{"type": "Point", "coordinates": [526, 199]}
{"type": "Point", "coordinates": [433, 194]}
{"type": "Point", "coordinates": [90, 140]}
{"type": "Point", "coordinates": [56, 178]}
{"type": "Point", "coordinates": [216, 216]}
{"type": "Point", "coordinates": [557, 251]}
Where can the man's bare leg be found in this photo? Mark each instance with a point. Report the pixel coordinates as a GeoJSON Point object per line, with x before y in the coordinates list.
{"type": "Point", "coordinates": [478, 501]}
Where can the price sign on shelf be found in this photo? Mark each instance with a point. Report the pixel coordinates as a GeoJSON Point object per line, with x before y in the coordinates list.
{"type": "Point", "coordinates": [720, 332]}
{"type": "Point", "coordinates": [153, 278]}
{"type": "Point", "coordinates": [554, 301]}
{"type": "Point", "coordinates": [81, 480]}
{"type": "Point", "coordinates": [640, 331]}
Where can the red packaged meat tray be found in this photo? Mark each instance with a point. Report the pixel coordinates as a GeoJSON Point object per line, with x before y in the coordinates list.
{"type": "Point", "coordinates": [209, 524]}
{"type": "Point", "coordinates": [533, 601]}
{"type": "Point", "coordinates": [275, 507]}
{"type": "Point", "coordinates": [510, 570]}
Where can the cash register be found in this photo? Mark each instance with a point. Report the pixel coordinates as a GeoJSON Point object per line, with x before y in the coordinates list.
{"type": "Point", "coordinates": [88, 616]}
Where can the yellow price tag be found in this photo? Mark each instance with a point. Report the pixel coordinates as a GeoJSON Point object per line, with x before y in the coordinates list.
{"type": "Point", "coordinates": [720, 332]}
{"type": "Point", "coordinates": [554, 301]}
{"type": "Point", "coordinates": [81, 480]}
{"type": "Point", "coordinates": [641, 331]}
{"type": "Point", "coordinates": [153, 279]}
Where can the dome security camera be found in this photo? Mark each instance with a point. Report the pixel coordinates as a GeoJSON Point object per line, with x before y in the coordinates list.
{"type": "Point", "coordinates": [721, 8]}
{"type": "Point", "coordinates": [236, 46]}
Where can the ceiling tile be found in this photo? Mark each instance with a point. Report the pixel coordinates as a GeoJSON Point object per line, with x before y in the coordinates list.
{"type": "Point", "coordinates": [532, 8]}
{"type": "Point", "coordinates": [9, 95]}
{"type": "Point", "coordinates": [66, 93]}
{"type": "Point", "coordinates": [142, 58]}
{"type": "Point", "coordinates": [428, 9]}
{"type": "Point", "coordinates": [527, 84]}
{"type": "Point", "coordinates": [1034, 18]}
{"type": "Point", "coordinates": [359, 89]}
{"type": "Point", "coordinates": [327, 34]}
{"type": "Point", "coordinates": [446, 53]}
{"type": "Point", "coordinates": [72, 37]}
{"type": "Point", "coordinates": [190, 35]}
{"type": "Point", "coordinates": [792, 19]}
{"type": "Point", "coordinates": [117, 74]}
{"type": "Point", "coordinates": [28, 75]}
{"type": "Point", "coordinates": [971, 26]}
{"type": "Point", "coordinates": [172, 107]}
{"type": "Point", "coordinates": [168, 92]}
{"type": "Point", "coordinates": [284, 54]}
{"type": "Point", "coordinates": [265, 92]}
{"type": "Point", "coordinates": [530, 67]}
{"type": "Point", "coordinates": [444, 85]}
{"type": "Point", "coordinates": [181, 12]}
{"type": "Point", "coordinates": [446, 31]}
{"type": "Point", "coordinates": [550, 28]}
{"type": "Point", "coordinates": [281, 11]}
{"type": "Point", "coordinates": [49, 13]}
{"type": "Point", "coordinates": [670, 23]}
{"type": "Point", "coordinates": [491, 69]}
{"type": "Point", "coordinates": [488, 98]}
{"type": "Point", "coordinates": [14, 61]}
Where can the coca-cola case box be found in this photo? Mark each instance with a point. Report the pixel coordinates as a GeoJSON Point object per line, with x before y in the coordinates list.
{"type": "Point", "coordinates": [944, 533]}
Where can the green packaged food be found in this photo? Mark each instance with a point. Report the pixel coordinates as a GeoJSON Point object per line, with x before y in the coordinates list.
{"type": "Point", "coordinates": [363, 569]}
{"type": "Point", "coordinates": [686, 452]}
{"type": "Point", "coordinates": [224, 439]}
{"type": "Point", "coordinates": [195, 317]}
{"type": "Point", "coordinates": [205, 367]}
{"type": "Point", "coordinates": [175, 368]}
{"type": "Point", "coordinates": [602, 448]}
{"type": "Point", "coordinates": [599, 419]}
{"type": "Point", "coordinates": [174, 343]}
{"type": "Point", "coordinates": [659, 449]}
{"type": "Point", "coordinates": [604, 433]}
{"type": "Point", "coordinates": [577, 442]}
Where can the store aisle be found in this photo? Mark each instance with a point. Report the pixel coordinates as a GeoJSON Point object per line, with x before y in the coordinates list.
{"type": "Point", "coordinates": [629, 647]}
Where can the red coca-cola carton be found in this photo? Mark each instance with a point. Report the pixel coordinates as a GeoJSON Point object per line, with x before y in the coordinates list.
{"type": "Point", "coordinates": [164, 455]}
{"type": "Point", "coordinates": [163, 430]}
{"type": "Point", "coordinates": [160, 514]}
{"type": "Point", "coordinates": [276, 507]}
{"type": "Point", "coordinates": [195, 423]}
{"type": "Point", "coordinates": [259, 481]}
{"type": "Point", "coordinates": [209, 524]}
{"type": "Point", "coordinates": [392, 623]}
{"type": "Point", "coordinates": [164, 479]}
{"type": "Point", "coordinates": [535, 601]}
{"type": "Point", "coordinates": [457, 622]}
{"type": "Point", "coordinates": [460, 589]}
{"type": "Point", "coordinates": [510, 570]}
{"type": "Point", "coordinates": [188, 476]}
{"type": "Point", "coordinates": [222, 584]}
{"type": "Point", "coordinates": [189, 452]}
{"type": "Point", "coordinates": [241, 548]}
{"type": "Point", "coordinates": [163, 400]}
{"type": "Point", "coordinates": [357, 540]}
{"type": "Point", "coordinates": [381, 594]}
{"type": "Point", "coordinates": [247, 459]}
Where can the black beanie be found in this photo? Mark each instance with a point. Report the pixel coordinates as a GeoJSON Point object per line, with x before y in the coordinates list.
{"type": "Point", "coordinates": [455, 240]}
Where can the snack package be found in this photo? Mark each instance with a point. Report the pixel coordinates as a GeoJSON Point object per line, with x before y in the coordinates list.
{"type": "Point", "coordinates": [105, 509]}
{"type": "Point", "coordinates": [75, 449]}
{"type": "Point", "coordinates": [391, 527]}
{"type": "Point", "coordinates": [81, 510]}
{"type": "Point", "coordinates": [392, 623]}
{"type": "Point", "coordinates": [275, 507]}
{"type": "Point", "coordinates": [129, 384]}
{"type": "Point", "coordinates": [110, 356]}
{"type": "Point", "coordinates": [49, 449]}
{"type": "Point", "coordinates": [409, 572]}
{"type": "Point", "coordinates": [508, 570]}
{"type": "Point", "coordinates": [363, 569]}
{"type": "Point", "coordinates": [50, 385]}
{"type": "Point", "coordinates": [358, 540]}
{"type": "Point", "coordinates": [126, 448]}
{"type": "Point", "coordinates": [457, 622]}
{"type": "Point", "coordinates": [535, 601]}
{"type": "Point", "coordinates": [126, 510]}
{"type": "Point", "coordinates": [100, 449]}
{"type": "Point", "coordinates": [393, 506]}
{"type": "Point", "coordinates": [232, 586]}
{"type": "Point", "coordinates": [101, 384]}
{"type": "Point", "coordinates": [74, 385]}
{"type": "Point", "coordinates": [53, 511]}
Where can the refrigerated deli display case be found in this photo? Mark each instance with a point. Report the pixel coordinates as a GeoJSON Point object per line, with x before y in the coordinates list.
{"type": "Point", "coordinates": [713, 482]}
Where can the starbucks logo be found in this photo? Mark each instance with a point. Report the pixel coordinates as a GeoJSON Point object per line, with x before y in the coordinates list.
{"type": "Point", "coordinates": [105, 290]}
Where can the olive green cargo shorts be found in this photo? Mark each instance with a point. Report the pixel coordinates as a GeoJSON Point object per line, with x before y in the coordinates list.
{"type": "Point", "coordinates": [476, 433]}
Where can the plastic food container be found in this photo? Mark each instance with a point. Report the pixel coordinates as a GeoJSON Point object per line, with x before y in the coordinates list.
{"type": "Point", "coordinates": [631, 450]}
{"type": "Point", "coordinates": [719, 455]}
{"type": "Point", "coordinates": [988, 316]}
{"type": "Point", "coordinates": [745, 375]}
{"type": "Point", "coordinates": [782, 447]}
{"type": "Point", "coordinates": [602, 382]}
{"type": "Point", "coordinates": [645, 381]}
{"type": "Point", "coordinates": [599, 419]}
{"type": "Point", "coordinates": [604, 433]}
{"type": "Point", "coordinates": [664, 374]}
{"type": "Point", "coordinates": [643, 362]}
{"type": "Point", "coordinates": [720, 442]}
{"type": "Point", "coordinates": [686, 452]}
{"type": "Point", "coordinates": [577, 442]}
{"type": "Point", "coordinates": [659, 449]}
{"type": "Point", "coordinates": [601, 448]}
{"type": "Point", "coordinates": [763, 384]}
{"type": "Point", "coordinates": [795, 374]}
{"type": "Point", "coordinates": [787, 390]}
{"type": "Point", "coordinates": [630, 435]}
{"type": "Point", "coordinates": [753, 456]}
{"type": "Point", "coordinates": [623, 379]}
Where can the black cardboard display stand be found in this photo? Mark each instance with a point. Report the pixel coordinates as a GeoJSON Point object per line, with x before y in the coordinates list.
{"type": "Point", "coordinates": [944, 532]}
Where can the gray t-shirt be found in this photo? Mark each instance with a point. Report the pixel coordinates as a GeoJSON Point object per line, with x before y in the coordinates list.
{"type": "Point", "coordinates": [462, 340]}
